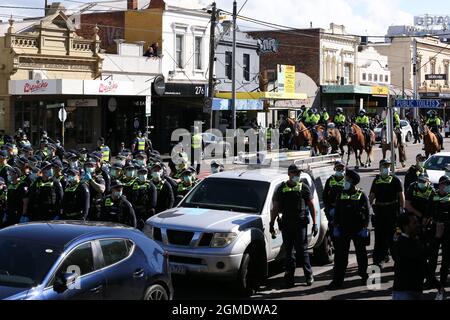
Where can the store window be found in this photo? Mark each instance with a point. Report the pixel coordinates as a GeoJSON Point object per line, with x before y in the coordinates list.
{"type": "Point", "coordinates": [370, 77]}
{"type": "Point", "coordinates": [347, 73]}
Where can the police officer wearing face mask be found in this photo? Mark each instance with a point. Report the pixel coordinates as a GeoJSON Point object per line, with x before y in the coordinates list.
{"type": "Point", "coordinates": [291, 199]}
{"type": "Point", "coordinates": [58, 167]}
{"type": "Point", "coordinates": [74, 164]}
{"type": "Point", "coordinates": [165, 194]}
{"type": "Point", "coordinates": [141, 159]}
{"type": "Point", "coordinates": [350, 224]}
{"type": "Point", "coordinates": [100, 170]}
{"type": "Point", "coordinates": [12, 151]}
{"type": "Point", "coordinates": [414, 171]}
{"type": "Point", "coordinates": [17, 191]}
{"type": "Point", "coordinates": [333, 187]}
{"type": "Point", "coordinates": [44, 197]}
{"type": "Point", "coordinates": [76, 200]}
{"type": "Point", "coordinates": [116, 208]}
{"type": "Point", "coordinates": [143, 197]}
{"type": "Point", "coordinates": [116, 173]}
{"type": "Point", "coordinates": [97, 188]}
{"type": "Point", "coordinates": [4, 166]}
{"type": "Point", "coordinates": [128, 179]}
{"type": "Point", "coordinates": [440, 210]}
{"type": "Point", "coordinates": [188, 182]}
{"type": "Point", "coordinates": [388, 201]}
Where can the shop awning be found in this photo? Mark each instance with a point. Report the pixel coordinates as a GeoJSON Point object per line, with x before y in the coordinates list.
{"type": "Point", "coordinates": [263, 95]}
{"type": "Point", "coordinates": [241, 105]}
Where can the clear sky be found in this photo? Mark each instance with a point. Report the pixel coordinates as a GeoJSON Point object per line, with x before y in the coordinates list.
{"type": "Point", "coordinates": [365, 17]}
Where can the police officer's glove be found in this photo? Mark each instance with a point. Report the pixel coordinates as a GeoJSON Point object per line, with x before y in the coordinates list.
{"type": "Point", "coordinates": [315, 230]}
{"type": "Point", "coordinates": [364, 233]}
{"type": "Point", "coordinates": [24, 219]}
{"type": "Point", "coordinates": [336, 232]}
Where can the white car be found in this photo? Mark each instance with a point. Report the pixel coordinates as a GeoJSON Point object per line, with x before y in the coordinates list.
{"type": "Point", "coordinates": [435, 166]}
{"type": "Point", "coordinates": [447, 129]}
{"type": "Point", "coordinates": [407, 131]}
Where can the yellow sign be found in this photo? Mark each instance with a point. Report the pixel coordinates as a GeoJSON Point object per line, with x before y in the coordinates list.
{"type": "Point", "coordinates": [384, 91]}
{"type": "Point", "coordinates": [286, 78]}
{"type": "Point", "coordinates": [263, 95]}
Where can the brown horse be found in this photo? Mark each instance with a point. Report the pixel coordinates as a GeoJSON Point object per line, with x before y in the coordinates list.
{"type": "Point", "coordinates": [334, 138]}
{"type": "Point", "coordinates": [398, 143]}
{"type": "Point", "coordinates": [302, 135]}
{"type": "Point", "coordinates": [320, 144]}
{"type": "Point", "coordinates": [357, 142]}
{"type": "Point", "coordinates": [430, 141]}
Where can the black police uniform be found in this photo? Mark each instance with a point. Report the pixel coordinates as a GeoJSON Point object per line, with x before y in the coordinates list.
{"type": "Point", "coordinates": [333, 187]}
{"type": "Point", "coordinates": [118, 211]}
{"type": "Point", "coordinates": [352, 216]}
{"type": "Point", "coordinates": [128, 186]}
{"type": "Point", "coordinates": [96, 197]}
{"type": "Point", "coordinates": [4, 171]}
{"type": "Point", "coordinates": [386, 210]}
{"type": "Point", "coordinates": [62, 179]}
{"type": "Point", "coordinates": [106, 177]}
{"type": "Point", "coordinates": [441, 214]}
{"type": "Point", "coordinates": [292, 201]}
{"type": "Point", "coordinates": [412, 175]}
{"type": "Point", "coordinates": [45, 199]}
{"type": "Point", "coordinates": [3, 205]}
{"type": "Point", "coordinates": [76, 202]}
{"type": "Point", "coordinates": [165, 196]}
{"type": "Point", "coordinates": [16, 193]}
{"type": "Point", "coordinates": [143, 198]}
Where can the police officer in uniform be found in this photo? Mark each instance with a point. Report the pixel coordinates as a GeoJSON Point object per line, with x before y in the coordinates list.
{"type": "Point", "coordinates": [143, 197]}
{"type": "Point", "coordinates": [128, 179]}
{"type": "Point", "coordinates": [138, 144]}
{"type": "Point", "coordinates": [4, 166]}
{"type": "Point", "coordinates": [333, 187]}
{"type": "Point", "coordinates": [17, 191]}
{"type": "Point", "coordinates": [362, 120]}
{"type": "Point", "coordinates": [196, 149]}
{"type": "Point", "coordinates": [104, 149]}
{"type": "Point", "coordinates": [292, 199]}
{"type": "Point", "coordinates": [440, 210]}
{"type": "Point", "coordinates": [339, 118]}
{"type": "Point", "coordinates": [414, 171]}
{"type": "Point", "coordinates": [387, 200]}
{"type": "Point", "coordinates": [3, 202]}
{"type": "Point", "coordinates": [324, 117]}
{"type": "Point", "coordinates": [116, 208]}
{"type": "Point", "coordinates": [58, 167]}
{"type": "Point", "coordinates": [97, 188]}
{"type": "Point", "coordinates": [77, 199]}
{"type": "Point", "coordinates": [350, 224]}
{"type": "Point", "coordinates": [116, 173]}
{"type": "Point", "coordinates": [44, 197]}
{"type": "Point", "coordinates": [100, 170]}
{"type": "Point", "coordinates": [165, 194]}
{"type": "Point", "coordinates": [435, 124]}
{"type": "Point", "coordinates": [188, 182]}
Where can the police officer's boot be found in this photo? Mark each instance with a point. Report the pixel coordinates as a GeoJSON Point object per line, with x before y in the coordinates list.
{"type": "Point", "coordinates": [289, 279]}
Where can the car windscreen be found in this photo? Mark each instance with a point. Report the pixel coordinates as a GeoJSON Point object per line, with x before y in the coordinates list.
{"type": "Point", "coordinates": [229, 194]}
{"type": "Point", "coordinates": [437, 162]}
{"type": "Point", "coordinates": [24, 263]}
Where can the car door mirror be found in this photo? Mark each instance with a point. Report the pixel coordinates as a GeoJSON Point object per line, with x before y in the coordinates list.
{"type": "Point", "coordinates": [63, 281]}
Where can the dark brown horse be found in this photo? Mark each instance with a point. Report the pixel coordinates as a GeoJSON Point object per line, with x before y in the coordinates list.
{"type": "Point", "coordinates": [398, 143]}
{"type": "Point", "coordinates": [357, 142]}
{"type": "Point", "coordinates": [334, 138]}
{"type": "Point", "coordinates": [430, 141]}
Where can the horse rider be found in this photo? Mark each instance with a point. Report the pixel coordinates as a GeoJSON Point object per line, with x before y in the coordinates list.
{"type": "Point", "coordinates": [362, 120]}
{"type": "Point", "coordinates": [339, 118]}
{"type": "Point", "coordinates": [396, 125]}
{"type": "Point", "coordinates": [435, 124]}
{"type": "Point", "coordinates": [303, 113]}
{"type": "Point", "coordinates": [324, 117]}
{"type": "Point", "coordinates": [312, 120]}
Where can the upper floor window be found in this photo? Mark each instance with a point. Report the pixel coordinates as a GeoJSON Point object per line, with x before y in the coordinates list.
{"type": "Point", "coordinates": [179, 50]}
{"type": "Point", "coordinates": [246, 67]}
{"type": "Point", "coordinates": [228, 58]}
{"type": "Point", "coordinates": [198, 53]}
{"type": "Point", "coordinates": [364, 76]}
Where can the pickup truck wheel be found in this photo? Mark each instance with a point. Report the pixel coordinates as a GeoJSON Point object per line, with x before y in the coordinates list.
{"type": "Point", "coordinates": [247, 276]}
{"type": "Point", "coordinates": [324, 254]}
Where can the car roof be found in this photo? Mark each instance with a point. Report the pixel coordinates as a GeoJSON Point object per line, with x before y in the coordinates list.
{"type": "Point", "coordinates": [58, 233]}
{"type": "Point", "coordinates": [445, 154]}
{"type": "Point", "coordinates": [265, 175]}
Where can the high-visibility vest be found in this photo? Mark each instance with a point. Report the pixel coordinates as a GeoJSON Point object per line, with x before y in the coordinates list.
{"type": "Point", "coordinates": [361, 120]}
{"type": "Point", "coordinates": [296, 188]}
{"type": "Point", "coordinates": [141, 144]}
{"type": "Point", "coordinates": [197, 141]}
{"type": "Point", "coordinates": [105, 153]}
{"type": "Point", "coordinates": [339, 119]}
{"type": "Point", "coordinates": [2, 141]}
{"type": "Point", "coordinates": [269, 133]}
{"type": "Point", "coordinates": [356, 196]}
{"type": "Point", "coordinates": [339, 183]}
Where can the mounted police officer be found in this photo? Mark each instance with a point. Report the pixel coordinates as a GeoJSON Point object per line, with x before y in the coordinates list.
{"type": "Point", "coordinates": [44, 197]}
{"type": "Point", "coordinates": [312, 120]}
{"type": "Point", "coordinates": [350, 224]}
{"type": "Point", "coordinates": [324, 116]}
{"type": "Point", "coordinates": [362, 120]}
{"type": "Point", "coordinates": [292, 198]}
{"type": "Point", "coordinates": [143, 197]}
{"type": "Point", "coordinates": [116, 208]}
{"type": "Point", "coordinates": [339, 118]}
{"type": "Point", "coordinates": [435, 125]}
{"type": "Point", "coordinates": [77, 199]}
{"type": "Point", "coordinates": [333, 187]}
{"type": "Point", "coordinates": [165, 194]}
{"type": "Point", "coordinates": [387, 200]}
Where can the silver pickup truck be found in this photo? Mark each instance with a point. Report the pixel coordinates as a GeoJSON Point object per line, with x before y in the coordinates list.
{"type": "Point", "coordinates": [221, 228]}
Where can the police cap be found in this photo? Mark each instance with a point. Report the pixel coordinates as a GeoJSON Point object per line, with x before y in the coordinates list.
{"type": "Point", "coordinates": [339, 163]}
{"type": "Point", "coordinates": [142, 170]}
{"type": "Point", "coordinates": [444, 180]}
{"type": "Point", "coordinates": [57, 163]}
{"type": "Point", "coordinates": [96, 156]}
{"type": "Point", "coordinates": [15, 171]}
{"type": "Point", "coordinates": [423, 177]}
{"type": "Point", "coordinates": [116, 184]}
{"type": "Point", "coordinates": [384, 163]}
{"type": "Point", "coordinates": [354, 176]}
{"type": "Point", "coordinates": [45, 165]}
{"type": "Point", "coordinates": [294, 168]}
{"type": "Point", "coordinates": [73, 172]}
{"type": "Point", "coordinates": [3, 154]}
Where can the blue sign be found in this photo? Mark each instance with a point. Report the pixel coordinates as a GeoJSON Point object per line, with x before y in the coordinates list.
{"type": "Point", "coordinates": [424, 103]}
{"type": "Point", "coordinates": [241, 105]}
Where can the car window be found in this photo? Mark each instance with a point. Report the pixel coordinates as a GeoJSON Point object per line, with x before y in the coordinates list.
{"type": "Point", "coordinates": [437, 163]}
{"type": "Point", "coordinates": [80, 261]}
{"type": "Point", "coordinates": [403, 123]}
{"type": "Point", "coordinates": [115, 250]}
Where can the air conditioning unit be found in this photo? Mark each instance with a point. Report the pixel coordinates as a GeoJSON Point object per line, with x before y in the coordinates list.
{"type": "Point", "coordinates": [37, 75]}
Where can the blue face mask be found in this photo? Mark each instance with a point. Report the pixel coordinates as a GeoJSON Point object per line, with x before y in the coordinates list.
{"type": "Point", "coordinates": [143, 177]}
{"type": "Point", "coordinates": [117, 194]}
{"type": "Point", "coordinates": [140, 162]}
{"type": "Point", "coordinates": [90, 169]}
{"type": "Point", "coordinates": [10, 178]}
{"type": "Point", "coordinates": [70, 179]}
{"type": "Point", "coordinates": [339, 174]}
{"type": "Point", "coordinates": [33, 176]}
{"type": "Point", "coordinates": [49, 173]}
{"type": "Point", "coordinates": [347, 185]}
{"type": "Point", "coordinates": [296, 179]}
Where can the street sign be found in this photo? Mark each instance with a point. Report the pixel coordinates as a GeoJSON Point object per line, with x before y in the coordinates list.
{"type": "Point", "coordinates": [148, 106]}
{"type": "Point", "coordinates": [424, 104]}
{"type": "Point", "coordinates": [435, 77]}
{"type": "Point", "coordinates": [62, 114]}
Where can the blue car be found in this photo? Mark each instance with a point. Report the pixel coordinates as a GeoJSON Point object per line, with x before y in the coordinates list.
{"type": "Point", "coordinates": [81, 260]}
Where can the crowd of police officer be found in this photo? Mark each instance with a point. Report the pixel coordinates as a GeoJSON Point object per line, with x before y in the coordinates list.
{"type": "Point", "coordinates": [50, 183]}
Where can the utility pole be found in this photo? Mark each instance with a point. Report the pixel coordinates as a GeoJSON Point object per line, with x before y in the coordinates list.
{"type": "Point", "coordinates": [46, 8]}
{"type": "Point", "coordinates": [233, 69]}
{"type": "Point", "coordinates": [416, 111]}
{"type": "Point", "coordinates": [212, 56]}
{"type": "Point", "coordinates": [391, 131]}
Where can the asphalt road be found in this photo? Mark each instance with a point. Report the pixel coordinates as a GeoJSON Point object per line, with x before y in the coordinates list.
{"type": "Point", "coordinates": [380, 289]}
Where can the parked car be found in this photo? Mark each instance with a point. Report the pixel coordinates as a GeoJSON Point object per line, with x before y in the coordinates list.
{"type": "Point", "coordinates": [81, 260]}
{"type": "Point", "coordinates": [447, 129]}
{"type": "Point", "coordinates": [407, 131]}
{"type": "Point", "coordinates": [435, 166]}
{"type": "Point", "coordinates": [221, 228]}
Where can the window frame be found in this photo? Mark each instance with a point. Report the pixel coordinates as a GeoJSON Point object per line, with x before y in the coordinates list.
{"type": "Point", "coordinates": [199, 53]}
{"type": "Point", "coordinates": [180, 66]}
{"type": "Point", "coordinates": [228, 67]}
{"type": "Point", "coordinates": [102, 258]}
{"type": "Point", "coordinates": [246, 67]}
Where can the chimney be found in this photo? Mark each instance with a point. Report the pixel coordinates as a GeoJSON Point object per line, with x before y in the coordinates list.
{"type": "Point", "coordinates": [132, 4]}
